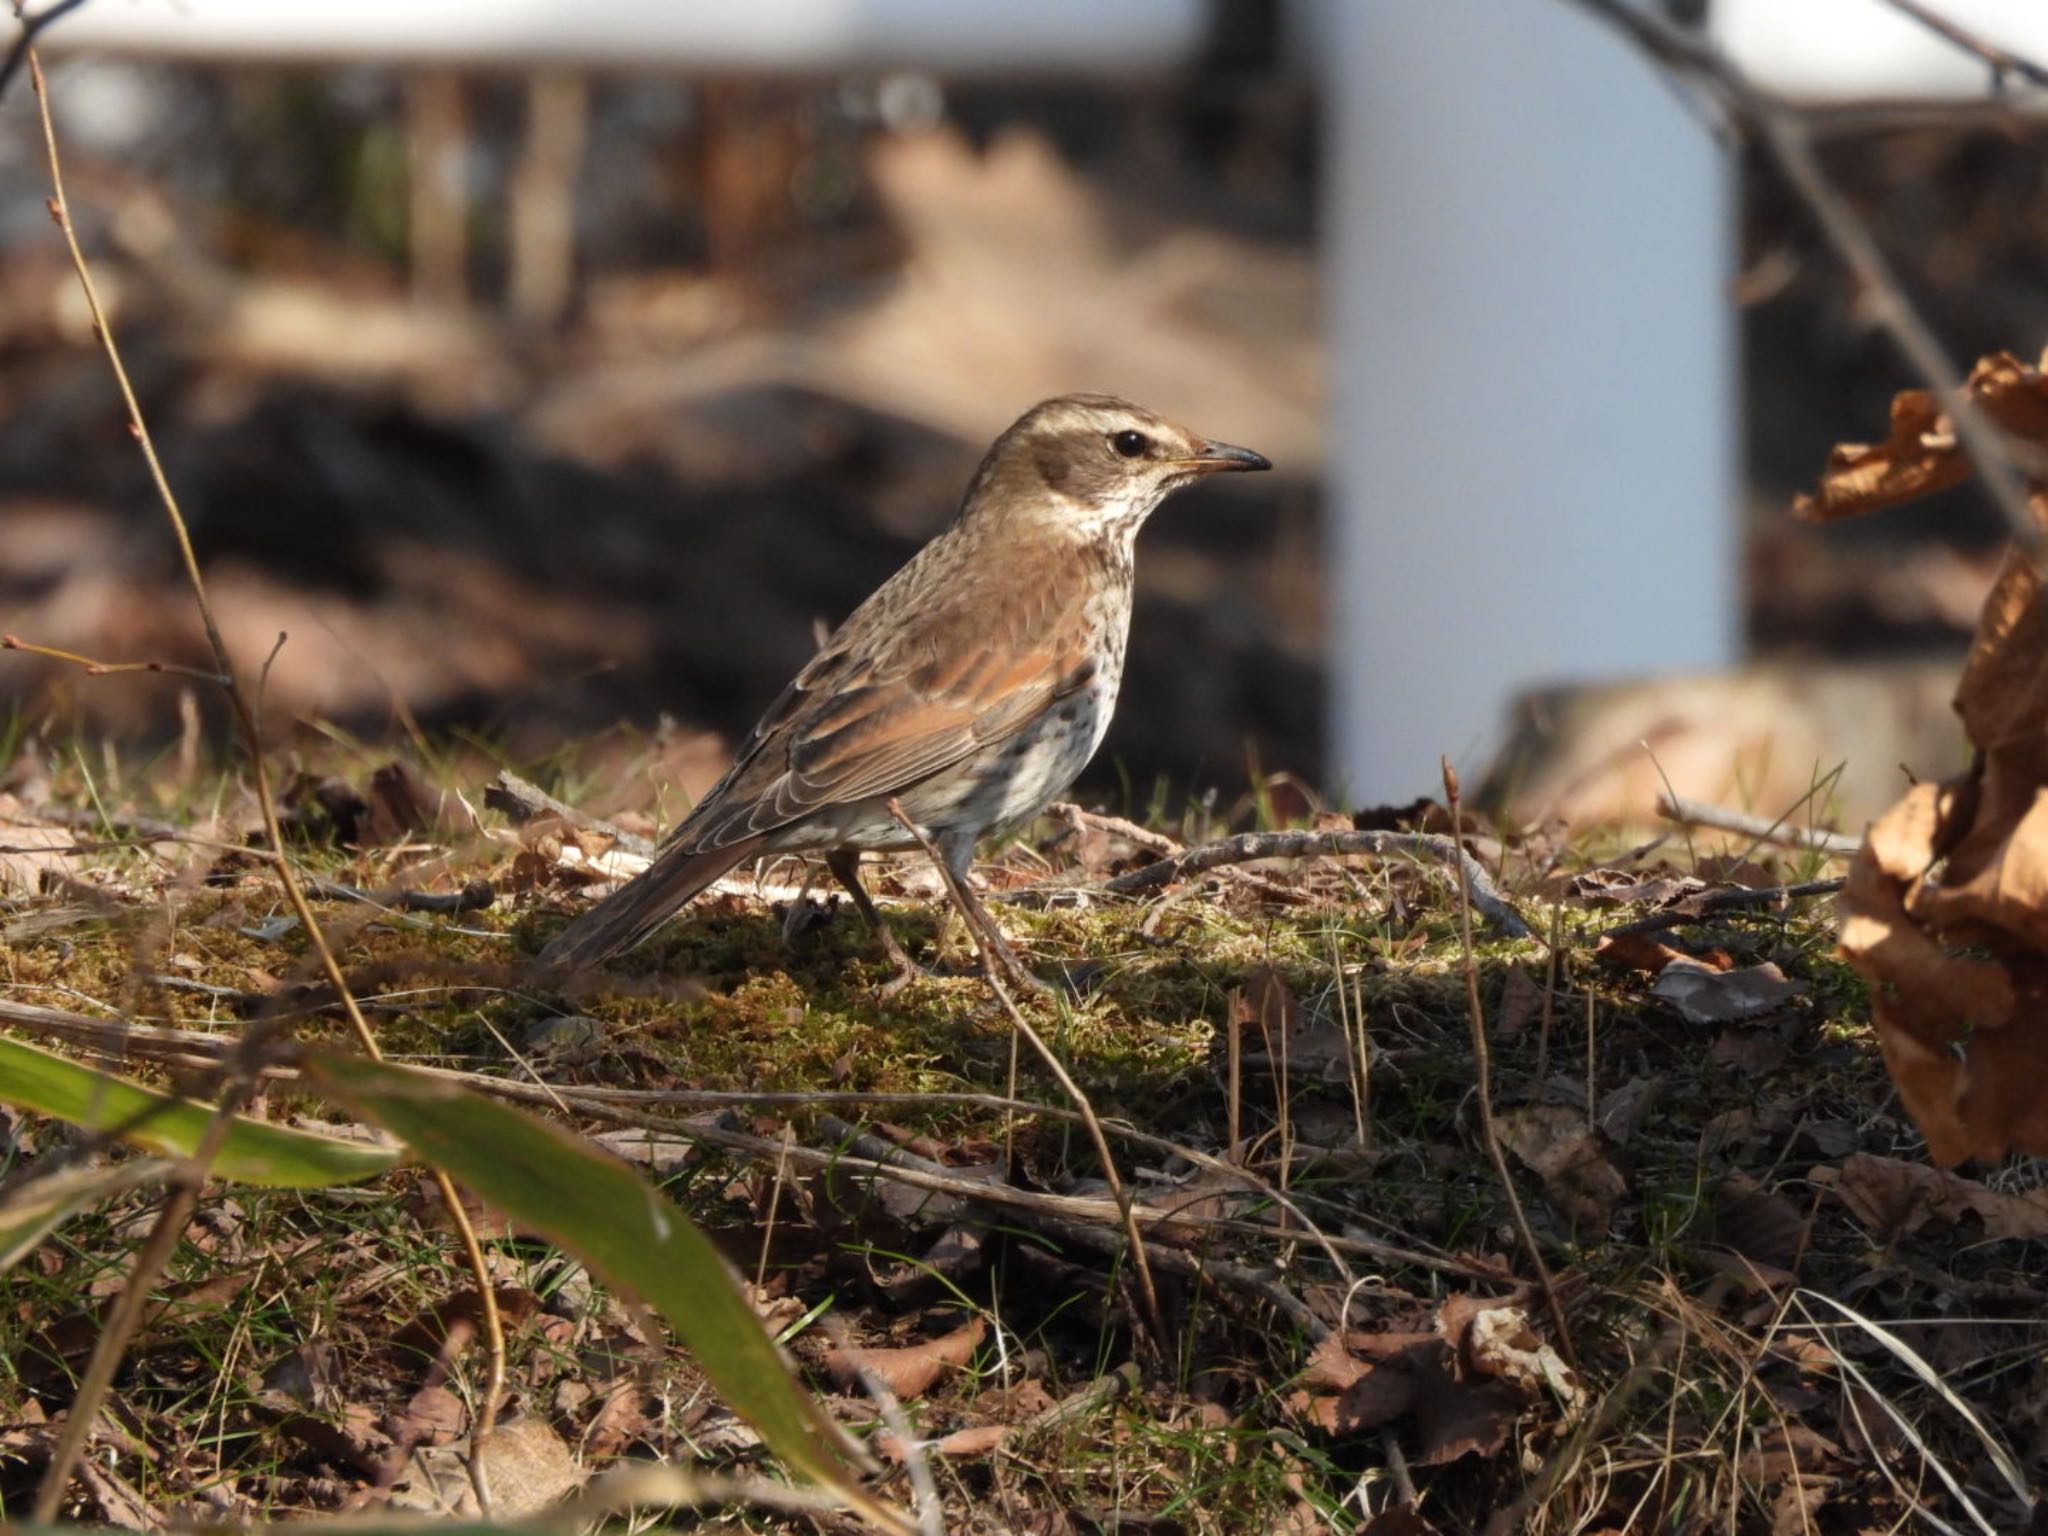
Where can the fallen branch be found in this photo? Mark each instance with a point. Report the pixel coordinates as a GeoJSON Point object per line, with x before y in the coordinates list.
{"type": "Point", "coordinates": [473, 897]}
{"type": "Point", "coordinates": [1248, 846]}
{"type": "Point", "coordinates": [524, 802]}
{"type": "Point", "coordinates": [1707, 903]}
{"type": "Point", "coordinates": [1721, 818]}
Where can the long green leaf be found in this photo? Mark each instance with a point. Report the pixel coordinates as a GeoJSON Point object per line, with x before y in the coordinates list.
{"type": "Point", "coordinates": [254, 1152]}
{"type": "Point", "coordinates": [34, 1210]}
{"type": "Point", "coordinates": [630, 1235]}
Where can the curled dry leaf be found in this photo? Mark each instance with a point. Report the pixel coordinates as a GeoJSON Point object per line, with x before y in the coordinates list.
{"type": "Point", "coordinates": [1946, 905]}
{"type": "Point", "coordinates": [910, 1371]}
{"type": "Point", "coordinates": [1920, 455]}
{"type": "Point", "coordinates": [1568, 1155]}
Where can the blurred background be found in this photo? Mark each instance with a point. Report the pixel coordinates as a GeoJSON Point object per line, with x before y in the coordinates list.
{"type": "Point", "coordinates": [550, 370]}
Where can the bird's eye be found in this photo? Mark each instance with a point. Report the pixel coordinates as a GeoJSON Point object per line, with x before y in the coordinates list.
{"type": "Point", "coordinates": [1130, 444]}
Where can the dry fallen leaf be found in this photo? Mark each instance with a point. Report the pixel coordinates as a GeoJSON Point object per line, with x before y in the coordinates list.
{"type": "Point", "coordinates": [1896, 1198]}
{"type": "Point", "coordinates": [1703, 995]}
{"type": "Point", "coordinates": [1579, 1181]}
{"type": "Point", "coordinates": [29, 851]}
{"type": "Point", "coordinates": [1946, 905]}
{"type": "Point", "coordinates": [909, 1371]}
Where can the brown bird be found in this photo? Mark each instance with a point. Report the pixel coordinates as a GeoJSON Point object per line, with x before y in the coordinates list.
{"type": "Point", "coordinates": [971, 688]}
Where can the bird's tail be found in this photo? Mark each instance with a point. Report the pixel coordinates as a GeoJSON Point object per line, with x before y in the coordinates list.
{"type": "Point", "coordinates": [640, 906]}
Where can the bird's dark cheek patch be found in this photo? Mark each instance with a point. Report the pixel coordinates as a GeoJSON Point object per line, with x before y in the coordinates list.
{"type": "Point", "coordinates": [1077, 465]}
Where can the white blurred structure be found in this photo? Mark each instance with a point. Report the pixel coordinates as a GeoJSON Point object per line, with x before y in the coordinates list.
{"type": "Point", "coordinates": [1852, 50]}
{"type": "Point", "coordinates": [1533, 429]}
{"type": "Point", "coordinates": [1532, 444]}
{"type": "Point", "coordinates": [698, 36]}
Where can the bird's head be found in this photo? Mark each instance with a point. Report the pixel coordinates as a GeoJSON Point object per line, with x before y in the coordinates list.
{"type": "Point", "coordinates": [1094, 464]}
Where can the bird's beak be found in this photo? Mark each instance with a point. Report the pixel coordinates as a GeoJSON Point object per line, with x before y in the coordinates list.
{"type": "Point", "coordinates": [1212, 457]}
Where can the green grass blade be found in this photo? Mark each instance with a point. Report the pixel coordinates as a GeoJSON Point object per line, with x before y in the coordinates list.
{"type": "Point", "coordinates": [33, 1211]}
{"type": "Point", "coordinates": [630, 1235]}
{"type": "Point", "coordinates": [254, 1153]}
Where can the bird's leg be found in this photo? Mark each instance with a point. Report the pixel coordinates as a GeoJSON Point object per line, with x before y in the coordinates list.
{"type": "Point", "coordinates": [957, 853]}
{"type": "Point", "coordinates": [845, 866]}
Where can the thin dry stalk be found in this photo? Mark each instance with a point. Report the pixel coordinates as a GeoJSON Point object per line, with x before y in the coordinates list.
{"type": "Point", "coordinates": [1764, 829]}
{"type": "Point", "coordinates": [1233, 1029]}
{"type": "Point", "coordinates": [245, 715]}
{"type": "Point", "coordinates": [1155, 1317]}
{"type": "Point", "coordinates": [1592, 1072]}
{"type": "Point", "coordinates": [1482, 1063]}
{"type": "Point", "coordinates": [1553, 968]}
{"type": "Point", "coordinates": [774, 1203]}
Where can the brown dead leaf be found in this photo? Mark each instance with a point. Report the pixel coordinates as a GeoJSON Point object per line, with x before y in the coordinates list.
{"type": "Point", "coordinates": [1758, 1223]}
{"type": "Point", "coordinates": [977, 1441]}
{"type": "Point", "coordinates": [1703, 995]}
{"type": "Point", "coordinates": [1265, 1004]}
{"type": "Point", "coordinates": [30, 852]}
{"type": "Point", "coordinates": [1568, 1155]}
{"type": "Point", "coordinates": [1619, 887]}
{"type": "Point", "coordinates": [1918, 458]}
{"type": "Point", "coordinates": [908, 1371]}
{"type": "Point", "coordinates": [1895, 1198]}
{"type": "Point", "coordinates": [433, 1416]}
{"type": "Point", "coordinates": [1521, 1001]}
{"type": "Point", "coordinates": [1958, 952]}
{"type": "Point", "coordinates": [1637, 952]}
{"type": "Point", "coordinates": [529, 1467]}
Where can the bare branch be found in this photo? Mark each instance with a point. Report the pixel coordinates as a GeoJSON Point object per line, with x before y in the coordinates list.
{"type": "Point", "coordinates": [1247, 846]}
{"type": "Point", "coordinates": [2003, 61]}
{"type": "Point", "coordinates": [1786, 136]}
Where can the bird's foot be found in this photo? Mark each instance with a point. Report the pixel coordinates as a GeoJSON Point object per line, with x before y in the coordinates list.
{"type": "Point", "coordinates": [907, 969]}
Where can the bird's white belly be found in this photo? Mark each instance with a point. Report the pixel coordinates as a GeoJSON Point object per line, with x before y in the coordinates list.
{"type": "Point", "coordinates": [1037, 765]}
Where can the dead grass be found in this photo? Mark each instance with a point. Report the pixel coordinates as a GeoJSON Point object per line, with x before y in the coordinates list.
{"type": "Point", "coordinates": [1704, 1236]}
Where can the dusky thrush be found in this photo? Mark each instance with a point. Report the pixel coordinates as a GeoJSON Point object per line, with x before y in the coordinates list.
{"type": "Point", "coordinates": [970, 689]}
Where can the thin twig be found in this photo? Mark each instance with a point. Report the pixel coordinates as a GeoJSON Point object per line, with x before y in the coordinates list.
{"type": "Point", "coordinates": [2003, 61]}
{"type": "Point", "coordinates": [31, 27]}
{"type": "Point", "coordinates": [1787, 138]}
{"type": "Point", "coordinates": [86, 1405]}
{"type": "Point", "coordinates": [1155, 1318]}
{"type": "Point", "coordinates": [1482, 1064]}
{"type": "Point", "coordinates": [473, 897]}
{"type": "Point", "coordinates": [1248, 846]}
{"type": "Point", "coordinates": [12, 642]}
{"type": "Point", "coordinates": [1721, 818]}
{"type": "Point", "coordinates": [1692, 908]}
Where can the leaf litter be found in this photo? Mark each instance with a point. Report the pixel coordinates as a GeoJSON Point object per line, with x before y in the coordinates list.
{"type": "Point", "coordinates": [1679, 1192]}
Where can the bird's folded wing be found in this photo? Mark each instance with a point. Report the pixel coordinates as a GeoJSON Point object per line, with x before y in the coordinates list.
{"type": "Point", "coordinates": [854, 728]}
